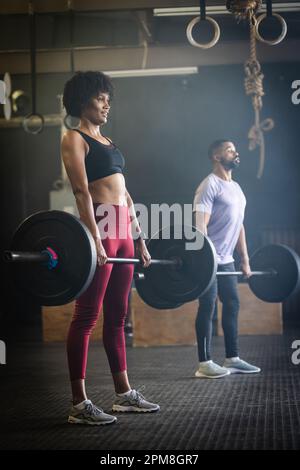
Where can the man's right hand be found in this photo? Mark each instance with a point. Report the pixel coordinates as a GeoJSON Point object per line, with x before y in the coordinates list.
{"type": "Point", "coordinates": [245, 267]}
{"type": "Point", "coordinates": [101, 253]}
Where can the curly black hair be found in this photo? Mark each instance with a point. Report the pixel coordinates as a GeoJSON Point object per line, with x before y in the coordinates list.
{"type": "Point", "coordinates": [215, 146]}
{"type": "Point", "coordinates": [82, 87]}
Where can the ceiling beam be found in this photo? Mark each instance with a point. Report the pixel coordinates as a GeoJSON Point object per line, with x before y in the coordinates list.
{"type": "Point", "coordinates": [116, 58]}
{"type": "Point", "coordinates": [9, 7]}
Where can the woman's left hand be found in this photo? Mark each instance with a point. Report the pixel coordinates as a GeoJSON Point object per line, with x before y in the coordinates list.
{"type": "Point", "coordinates": [143, 253]}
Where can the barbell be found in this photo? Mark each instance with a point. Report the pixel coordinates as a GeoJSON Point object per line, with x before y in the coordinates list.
{"type": "Point", "coordinates": [53, 258]}
{"type": "Point", "coordinates": [275, 271]}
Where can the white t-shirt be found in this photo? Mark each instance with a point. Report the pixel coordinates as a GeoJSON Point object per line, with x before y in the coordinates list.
{"type": "Point", "coordinates": [225, 202]}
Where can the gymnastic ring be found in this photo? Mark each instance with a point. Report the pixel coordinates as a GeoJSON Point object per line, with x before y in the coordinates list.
{"type": "Point", "coordinates": [33, 117]}
{"type": "Point", "coordinates": [282, 35]}
{"type": "Point", "coordinates": [192, 41]}
{"type": "Point", "coordinates": [68, 122]}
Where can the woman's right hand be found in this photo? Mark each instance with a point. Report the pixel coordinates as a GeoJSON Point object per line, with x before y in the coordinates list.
{"type": "Point", "coordinates": [101, 253]}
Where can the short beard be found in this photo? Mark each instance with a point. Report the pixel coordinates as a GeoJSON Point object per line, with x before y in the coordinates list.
{"type": "Point", "coordinates": [229, 165]}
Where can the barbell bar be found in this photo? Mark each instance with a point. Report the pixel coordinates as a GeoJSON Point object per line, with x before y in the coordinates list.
{"type": "Point", "coordinates": [53, 257]}
{"type": "Point", "coordinates": [46, 257]}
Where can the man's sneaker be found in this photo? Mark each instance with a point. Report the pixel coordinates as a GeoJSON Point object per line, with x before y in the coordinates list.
{"type": "Point", "coordinates": [89, 414]}
{"type": "Point", "coordinates": [134, 401]}
{"type": "Point", "coordinates": [238, 366]}
{"type": "Point", "coordinates": [211, 370]}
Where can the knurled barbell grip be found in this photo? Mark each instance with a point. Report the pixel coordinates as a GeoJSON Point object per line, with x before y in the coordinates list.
{"type": "Point", "coordinates": [23, 256]}
{"type": "Point", "coordinates": [138, 276]}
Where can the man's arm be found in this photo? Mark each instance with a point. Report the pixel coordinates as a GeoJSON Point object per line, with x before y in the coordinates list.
{"type": "Point", "coordinates": [242, 250]}
{"type": "Point", "coordinates": [203, 204]}
{"type": "Point", "coordinates": [202, 221]}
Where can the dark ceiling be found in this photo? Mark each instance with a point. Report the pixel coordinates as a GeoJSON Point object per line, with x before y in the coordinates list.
{"type": "Point", "coordinates": [121, 28]}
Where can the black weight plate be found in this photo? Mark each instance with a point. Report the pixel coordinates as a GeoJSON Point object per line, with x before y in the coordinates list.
{"type": "Point", "coordinates": [195, 275]}
{"type": "Point", "coordinates": [150, 296]}
{"type": "Point", "coordinates": [285, 262]}
{"type": "Point", "coordinates": [76, 251]}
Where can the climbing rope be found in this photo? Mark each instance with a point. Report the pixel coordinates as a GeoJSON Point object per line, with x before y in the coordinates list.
{"type": "Point", "coordinates": [254, 87]}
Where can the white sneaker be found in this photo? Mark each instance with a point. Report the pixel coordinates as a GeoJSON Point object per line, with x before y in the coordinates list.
{"type": "Point", "coordinates": [211, 370]}
{"type": "Point", "coordinates": [238, 366]}
{"type": "Point", "coordinates": [88, 413]}
{"type": "Point", "coordinates": [134, 401]}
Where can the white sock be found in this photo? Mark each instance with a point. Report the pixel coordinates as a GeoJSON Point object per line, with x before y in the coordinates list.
{"type": "Point", "coordinates": [126, 394]}
{"type": "Point", "coordinates": [205, 362]}
{"type": "Point", "coordinates": [81, 405]}
{"type": "Point", "coordinates": [233, 359]}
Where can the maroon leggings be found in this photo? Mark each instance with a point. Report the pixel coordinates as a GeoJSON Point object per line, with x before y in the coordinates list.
{"type": "Point", "coordinates": [110, 287]}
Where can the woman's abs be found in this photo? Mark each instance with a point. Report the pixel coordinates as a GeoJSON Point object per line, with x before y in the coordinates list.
{"type": "Point", "coordinates": [109, 190]}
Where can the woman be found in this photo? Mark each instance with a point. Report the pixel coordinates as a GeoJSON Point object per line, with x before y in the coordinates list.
{"type": "Point", "coordinates": [94, 166]}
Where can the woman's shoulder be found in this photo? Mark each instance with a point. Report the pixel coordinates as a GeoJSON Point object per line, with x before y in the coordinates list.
{"type": "Point", "coordinates": [73, 143]}
{"type": "Point", "coordinates": [72, 136]}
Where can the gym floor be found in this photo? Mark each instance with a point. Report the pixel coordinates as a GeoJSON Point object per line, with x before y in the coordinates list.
{"type": "Point", "coordinates": [239, 412]}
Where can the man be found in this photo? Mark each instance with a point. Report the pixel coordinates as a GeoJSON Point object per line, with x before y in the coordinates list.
{"type": "Point", "coordinates": [219, 206]}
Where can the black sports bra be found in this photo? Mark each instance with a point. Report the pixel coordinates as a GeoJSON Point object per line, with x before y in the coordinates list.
{"type": "Point", "coordinates": [102, 160]}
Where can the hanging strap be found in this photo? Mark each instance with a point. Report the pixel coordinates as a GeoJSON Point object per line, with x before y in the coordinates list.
{"type": "Point", "coordinates": [71, 30]}
{"type": "Point", "coordinates": [32, 29]}
{"type": "Point", "coordinates": [269, 8]}
{"type": "Point", "coordinates": [202, 10]}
